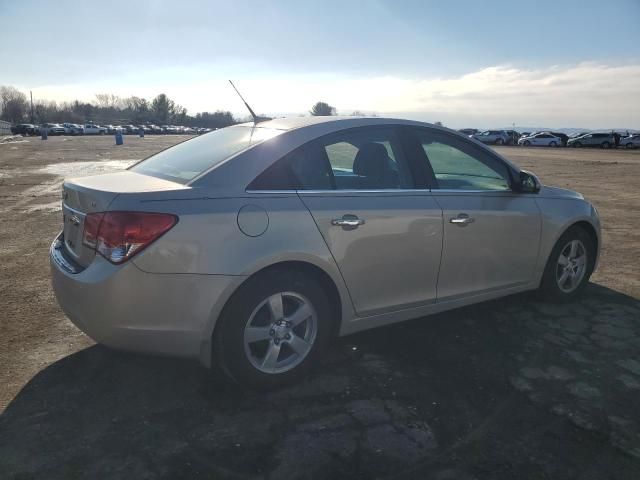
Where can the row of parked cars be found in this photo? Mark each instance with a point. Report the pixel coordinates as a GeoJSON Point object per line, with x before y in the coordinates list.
{"type": "Point", "coordinates": [555, 139]}
{"type": "Point", "coordinates": [93, 129]}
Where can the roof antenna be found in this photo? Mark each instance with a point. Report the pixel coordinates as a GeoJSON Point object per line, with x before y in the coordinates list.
{"type": "Point", "coordinates": [253, 115]}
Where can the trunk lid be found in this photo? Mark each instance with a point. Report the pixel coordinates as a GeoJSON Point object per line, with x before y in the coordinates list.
{"type": "Point", "coordinates": [81, 196]}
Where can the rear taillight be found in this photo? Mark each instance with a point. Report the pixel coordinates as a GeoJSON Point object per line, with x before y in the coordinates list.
{"type": "Point", "coordinates": [118, 236]}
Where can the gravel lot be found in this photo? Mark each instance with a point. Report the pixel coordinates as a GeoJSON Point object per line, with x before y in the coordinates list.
{"type": "Point", "coordinates": [512, 388]}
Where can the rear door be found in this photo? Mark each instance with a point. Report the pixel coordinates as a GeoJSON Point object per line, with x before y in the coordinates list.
{"type": "Point", "coordinates": [384, 234]}
{"type": "Point", "coordinates": [491, 233]}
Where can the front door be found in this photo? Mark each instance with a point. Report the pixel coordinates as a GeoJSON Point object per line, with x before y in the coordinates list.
{"type": "Point", "coordinates": [491, 233]}
{"type": "Point", "coordinates": [385, 235]}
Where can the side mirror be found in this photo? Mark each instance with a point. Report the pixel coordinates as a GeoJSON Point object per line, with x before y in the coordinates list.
{"type": "Point", "coordinates": [528, 183]}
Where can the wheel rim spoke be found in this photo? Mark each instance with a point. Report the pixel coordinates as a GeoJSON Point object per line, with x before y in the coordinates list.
{"type": "Point", "coordinates": [256, 334]}
{"type": "Point", "coordinates": [562, 260]}
{"type": "Point", "coordinates": [270, 360]}
{"type": "Point", "coordinates": [299, 345]}
{"type": "Point", "coordinates": [574, 249]}
{"type": "Point", "coordinates": [563, 278]}
{"type": "Point", "coordinates": [275, 307]}
{"type": "Point", "coordinates": [300, 315]}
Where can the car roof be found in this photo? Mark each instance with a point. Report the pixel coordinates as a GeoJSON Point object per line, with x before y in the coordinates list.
{"type": "Point", "coordinates": [341, 122]}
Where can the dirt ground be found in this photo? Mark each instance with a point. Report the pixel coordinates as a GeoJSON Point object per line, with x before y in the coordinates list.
{"type": "Point", "coordinates": [512, 388]}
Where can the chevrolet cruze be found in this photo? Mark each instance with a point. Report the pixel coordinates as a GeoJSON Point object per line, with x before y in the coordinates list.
{"type": "Point", "coordinates": [252, 246]}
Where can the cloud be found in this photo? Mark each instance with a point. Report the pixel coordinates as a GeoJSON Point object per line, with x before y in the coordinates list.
{"type": "Point", "coordinates": [587, 95]}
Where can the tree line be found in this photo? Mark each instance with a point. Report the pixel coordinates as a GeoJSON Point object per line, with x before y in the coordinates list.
{"type": "Point", "coordinates": [106, 109]}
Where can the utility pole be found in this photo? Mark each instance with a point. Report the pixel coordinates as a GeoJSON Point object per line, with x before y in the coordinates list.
{"type": "Point", "coordinates": [31, 95]}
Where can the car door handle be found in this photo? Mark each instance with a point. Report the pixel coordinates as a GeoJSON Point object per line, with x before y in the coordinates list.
{"type": "Point", "coordinates": [462, 220]}
{"type": "Point", "coordinates": [348, 221]}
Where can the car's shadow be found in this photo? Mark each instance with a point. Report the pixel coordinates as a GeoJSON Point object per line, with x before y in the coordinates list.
{"type": "Point", "coordinates": [505, 389]}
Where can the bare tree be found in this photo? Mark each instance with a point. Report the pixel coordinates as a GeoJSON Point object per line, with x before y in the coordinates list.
{"type": "Point", "coordinates": [322, 109]}
{"type": "Point", "coordinates": [13, 104]}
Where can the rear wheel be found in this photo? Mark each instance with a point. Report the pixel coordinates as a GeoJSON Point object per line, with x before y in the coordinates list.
{"type": "Point", "coordinates": [527, 143]}
{"type": "Point", "coordinates": [629, 145]}
{"type": "Point", "coordinates": [569, 266]}
{"type": "Point", "coordinates": [499, 141]}
{"type": "Point", "coordinates": [577, 144]}
{"type": "Point", "coordinates": [273, 329]}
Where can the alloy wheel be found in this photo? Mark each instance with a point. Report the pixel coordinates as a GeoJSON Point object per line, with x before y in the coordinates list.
{"type": "Point", "coordinates": [280, 332]}
{"type": "Point", "coordinates": [571, 266]}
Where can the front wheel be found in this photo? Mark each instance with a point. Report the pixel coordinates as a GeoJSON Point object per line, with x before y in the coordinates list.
{"type": "Point", "coordinates": [553, 144]}
{"type": "Point", "coordinates": [499, 141]}
{"type": "Point", "coordinates": [527, 143]}
{"type": "Point", "coordinates": [605, 145]}
{"type": "Point", "coordinates": [569, 266]}
{"type": "Point", "coordinates": [273, 329]}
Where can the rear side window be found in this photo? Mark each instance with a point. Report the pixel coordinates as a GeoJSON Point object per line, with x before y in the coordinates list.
{"type": "Point", "coordinates": [185, 161]}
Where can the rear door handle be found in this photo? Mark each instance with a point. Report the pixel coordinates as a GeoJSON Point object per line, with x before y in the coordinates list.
{"type": "Point", "coordinates": [462, 220]}
{"type": "Point", "coordinates": [349, 221]}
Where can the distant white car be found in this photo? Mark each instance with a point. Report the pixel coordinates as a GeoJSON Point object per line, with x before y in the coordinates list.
{"type": "Point", "coordinates": [90, 129]}
{"type": "Point", "coordinates": [632, 141]}
{"type": "Point", "coordinates": [73, 129]}
{"type": "Point", "coordinates": [543, 139]}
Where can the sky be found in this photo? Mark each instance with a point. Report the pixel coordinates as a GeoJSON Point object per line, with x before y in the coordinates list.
{"type": "Point", "coordinates": [466, 63]}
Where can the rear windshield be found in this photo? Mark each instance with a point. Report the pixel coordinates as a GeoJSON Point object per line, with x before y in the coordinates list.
{"type": "Point", "coordinates": [185, 161]}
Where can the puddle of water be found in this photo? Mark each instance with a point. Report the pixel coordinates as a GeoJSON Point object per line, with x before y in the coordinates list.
{"type": "Point", "coordinates": [50, 207]}
{"type": "Point", "coordinates": [80, 169]}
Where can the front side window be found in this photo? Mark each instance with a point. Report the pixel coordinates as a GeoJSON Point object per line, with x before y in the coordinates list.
{"type": "Point", "coordinates": [460, 165]}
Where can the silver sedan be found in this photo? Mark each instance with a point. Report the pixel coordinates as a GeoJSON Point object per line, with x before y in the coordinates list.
{"type": "Point", "coordinates": [252, 246]}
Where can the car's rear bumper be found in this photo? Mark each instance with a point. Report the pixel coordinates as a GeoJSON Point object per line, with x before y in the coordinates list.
{"type": "Point", "coordinates": [125, 308]}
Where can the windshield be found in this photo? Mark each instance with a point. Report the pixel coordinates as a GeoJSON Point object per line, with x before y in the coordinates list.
{"type": "Point", "coordinates": [185, 161]}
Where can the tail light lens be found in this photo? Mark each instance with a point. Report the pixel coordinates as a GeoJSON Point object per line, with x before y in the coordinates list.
{"type": "Point", "coordinates": [118, 236]}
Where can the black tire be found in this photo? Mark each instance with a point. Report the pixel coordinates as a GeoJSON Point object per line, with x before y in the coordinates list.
{"type": "Point", "coordinates": [577, 144]}
{"type": "Point", "coordinates": [549, 288]}
{"type": "Point", "coordinates": [499, 141]}
{"type": "Point", "coordinates": [629, 145]}
{"type": "Point", "coordinates": [605, 145]}
{"type": "Point", "coordinates": [229, 346]}
{"type": "Point", "coordinates": [527, 143]}
{"type": "Point", "coordinates": [553, 144]}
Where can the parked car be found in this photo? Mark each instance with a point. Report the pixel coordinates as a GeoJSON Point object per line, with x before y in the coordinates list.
{"type": "Point", "coordinates": [73, 129]}
{"type": "Point", "coordinates": [492, 137]}
{"type": "Point", "coordinates": [91, 129]}
{"type": "Point", "coordinates": [52, 128]}
{"type": "Point", "coordinates": [111, 129]}
{"type": "Point", "coordinates": [541, 139]}
{"type": "Point", "coordinates": [130, 129]}
{"type": "Point", "coordinates": [217, 248]}
{"type": "Point", "coordinates": [580, 134]}
{"type": "Point", "coordinates": [25, 129]}
{"type": "Point", "coordinates": [468, 131]}
{"type": "Point", "coordinates": [603, 140]}
{"type": "Point", "coordinates": [632, 141]}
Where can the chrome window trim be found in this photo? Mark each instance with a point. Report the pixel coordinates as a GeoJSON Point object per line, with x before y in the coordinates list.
{"type": "Point", "coordinates": [390, 191]}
